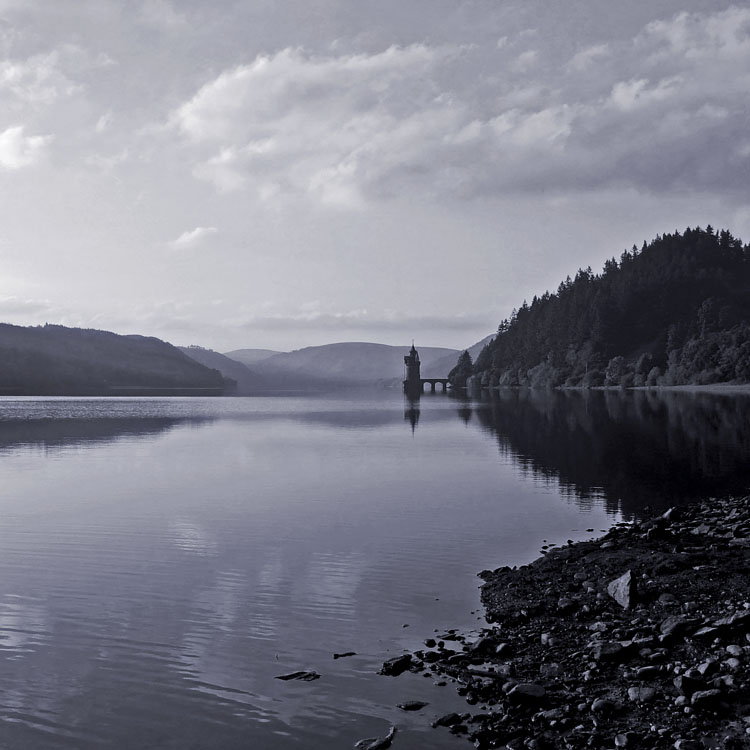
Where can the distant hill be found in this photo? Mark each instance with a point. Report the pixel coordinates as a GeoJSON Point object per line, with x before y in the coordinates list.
{"type": "Point", "coordinates": [348, 364]}
{"type": "Point", "coordinates": [250, 357]}
{"type": "Point", "coordinates": [675, 311]}
{"type": "Point", "coordinates": [54, 360]}
{"type": "Point", "coordinates": [248, 382]}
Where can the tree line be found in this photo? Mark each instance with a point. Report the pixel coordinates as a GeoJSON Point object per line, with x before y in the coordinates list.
{"type": "Point", "coordinates": [676, 311]}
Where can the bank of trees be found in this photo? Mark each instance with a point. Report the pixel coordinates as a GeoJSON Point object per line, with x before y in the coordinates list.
{"type": "Point", "coordinates": [675, 311]}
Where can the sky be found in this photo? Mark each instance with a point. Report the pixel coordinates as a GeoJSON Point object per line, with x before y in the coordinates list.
{"type": "Point", "coordinates": [286, 173]}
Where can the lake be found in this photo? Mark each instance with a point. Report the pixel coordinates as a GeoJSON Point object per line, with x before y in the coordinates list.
{"type": "Point", "coordinates": [163, 560]}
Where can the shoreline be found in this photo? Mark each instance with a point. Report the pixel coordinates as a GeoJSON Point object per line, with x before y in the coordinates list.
{"type": "Point", "coordinates": [725, 388]}
{"type": "Point", "coordinates": [638, 639]}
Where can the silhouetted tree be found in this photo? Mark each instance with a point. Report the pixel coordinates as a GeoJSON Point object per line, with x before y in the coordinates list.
{"type": "Point", "coordinates": [463, 370]}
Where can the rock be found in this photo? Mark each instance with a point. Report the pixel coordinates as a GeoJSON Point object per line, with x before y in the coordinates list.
{"type": "Point", "coordinates": [395, 666]}
{"type": "Point", "coordinates": [707, 668]}
{"type": "Point", "coordinates": [732, 664]}
{"type": "Point", "coordinates": [304, 676]}
{"type": "Point", "coordinates": [706, 633]}
{"type": "Point", "coordinates": [687, 685]}
{"type": "Point", "coordinates": [430, 642]}
{"type": "Point", "coordinates": [527, 693]}
{"type": "Point", "coordinates": [641, 694]}
{"type": "Point", "coordinates": [483, 645]}
{"type": "Point", "coordinates": [688, 745]}
{"type": "Point", "coordinates": [609, 651]}
{"type": "Point", "coordinates": [345, 653]}
{"type": "Point", "coordinates": [734, 650]}
{"type": "Point", "coordinates": [554, 714]}
{"type": "Point", "coordinates": [647, 673]}
{"type": "Point", "coordinates": [448, 720]}
{"type": "Point", "coordinates": [623, 590]}
{"type": "Point", "coordinates": [566, 606]}
{"type": "Point", "coordinates": [604, 706]}
{"type": "Point", "coordinates": [504, 649]}
{"type": "Point", "coordinates": [676, 625]}
{"type": "Point", "coordinates": [734, 621]}
{"type": "Point", "coordinates": [412, 705]}
{"type": "Point", "coordinates": [550, 670]}
{"type": "Point", "coordinates": [377, 743]}
{"type": "Point", "coordinates": [705, 698]}
{"type": "Point", "coordinates": [626, 740]}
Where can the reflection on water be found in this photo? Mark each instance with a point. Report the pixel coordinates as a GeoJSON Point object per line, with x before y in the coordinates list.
{"type": "Point", "coordinates": [162, 561]}
{"type": "Point", "coordinates": [627, 449]}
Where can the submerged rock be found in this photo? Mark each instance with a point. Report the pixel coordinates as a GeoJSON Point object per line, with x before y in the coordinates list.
{"type": "Point", "coordinates": [304, 676]}
{"type": "Point", "coordinates": [377, 743]}
{"type": "Point", "coordinates": [395, 666]}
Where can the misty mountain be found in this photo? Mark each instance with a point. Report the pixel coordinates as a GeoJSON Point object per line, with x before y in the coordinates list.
{"type": "Point", "coordinates": [250, 357]}
{"type": "Point", "coordinates": [54, 360]}
{"type": "Point", "coordinates": [349, 364]}
{"type": "Point", "coordinates": [675, 311]}
{"type": "Point", "coordinates": [248, 382]}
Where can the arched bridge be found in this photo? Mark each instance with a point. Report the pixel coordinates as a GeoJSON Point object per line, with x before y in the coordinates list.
{"type": "Point", "coordinates": [432, 381]}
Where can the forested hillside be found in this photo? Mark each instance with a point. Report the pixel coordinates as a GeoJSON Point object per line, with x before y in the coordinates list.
{"type": "Point", "coordinates": [675, 311]}
{"type": "Point", "coordinates": [54, 360]}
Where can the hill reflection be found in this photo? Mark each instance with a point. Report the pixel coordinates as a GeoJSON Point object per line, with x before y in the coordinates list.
{"type": "Point", "coordinates": [631, 449]}
{"type": "Point", "coordinates": [56, 434]}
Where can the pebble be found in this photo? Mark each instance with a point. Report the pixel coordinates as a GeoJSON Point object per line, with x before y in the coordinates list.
{"type": "Point", "coordinates": [641, 694]}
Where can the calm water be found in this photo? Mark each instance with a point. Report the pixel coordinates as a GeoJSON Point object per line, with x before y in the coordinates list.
{"type": "Point", "coordinates": [161, 561]}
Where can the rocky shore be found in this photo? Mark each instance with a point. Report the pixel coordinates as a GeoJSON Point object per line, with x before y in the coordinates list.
{"type": "Point", "coordinates": [639, 639]}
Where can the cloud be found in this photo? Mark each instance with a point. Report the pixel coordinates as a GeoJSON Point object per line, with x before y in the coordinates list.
{"type": "Point", "coordinates": [40, 79]}
{"type": "Point", "coordinates": [664, 110]}
{"type": "Point", "coordinates": [361, 320]}
{"type": "Point", "coordinates": [321, 126]}
{"type": "Point", "coordinates": [161, 14]}
{"type": "Point", "coordinates": [107, 162]}
{"type": "Point", "coordinates": [15, 306]}
{"type": "Point", "coordinates": [192, 238]}
{"type": "Point", "coordinates": [104, 122]}
{"type": "Point", "coordinates": [18, 150]}
{"type": "Point", "coordinates": [587, 57]}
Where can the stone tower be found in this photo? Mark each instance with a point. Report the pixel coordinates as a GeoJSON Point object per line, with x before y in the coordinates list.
{"type": "Point", "coordinates": [412, 382]}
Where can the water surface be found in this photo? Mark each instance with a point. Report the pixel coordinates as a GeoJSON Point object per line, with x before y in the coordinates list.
{"type": "Point", "coordinates": [162, 560]}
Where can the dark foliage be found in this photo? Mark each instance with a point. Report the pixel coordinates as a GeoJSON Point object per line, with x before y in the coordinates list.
{"type": "Point", "coordinates": [54, 360]}
{"type": "Point", "coordinates": [675, 311]}
{"type": "Point", "coordinates": [464, 369]}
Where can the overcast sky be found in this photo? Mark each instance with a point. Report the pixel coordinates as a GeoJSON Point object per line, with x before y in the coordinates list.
{"type": "Point", "coordinates": [282, 173]}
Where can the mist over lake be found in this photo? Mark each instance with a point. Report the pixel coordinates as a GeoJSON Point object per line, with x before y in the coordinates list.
{"type": "Point", "coordinates": [163, 560]}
